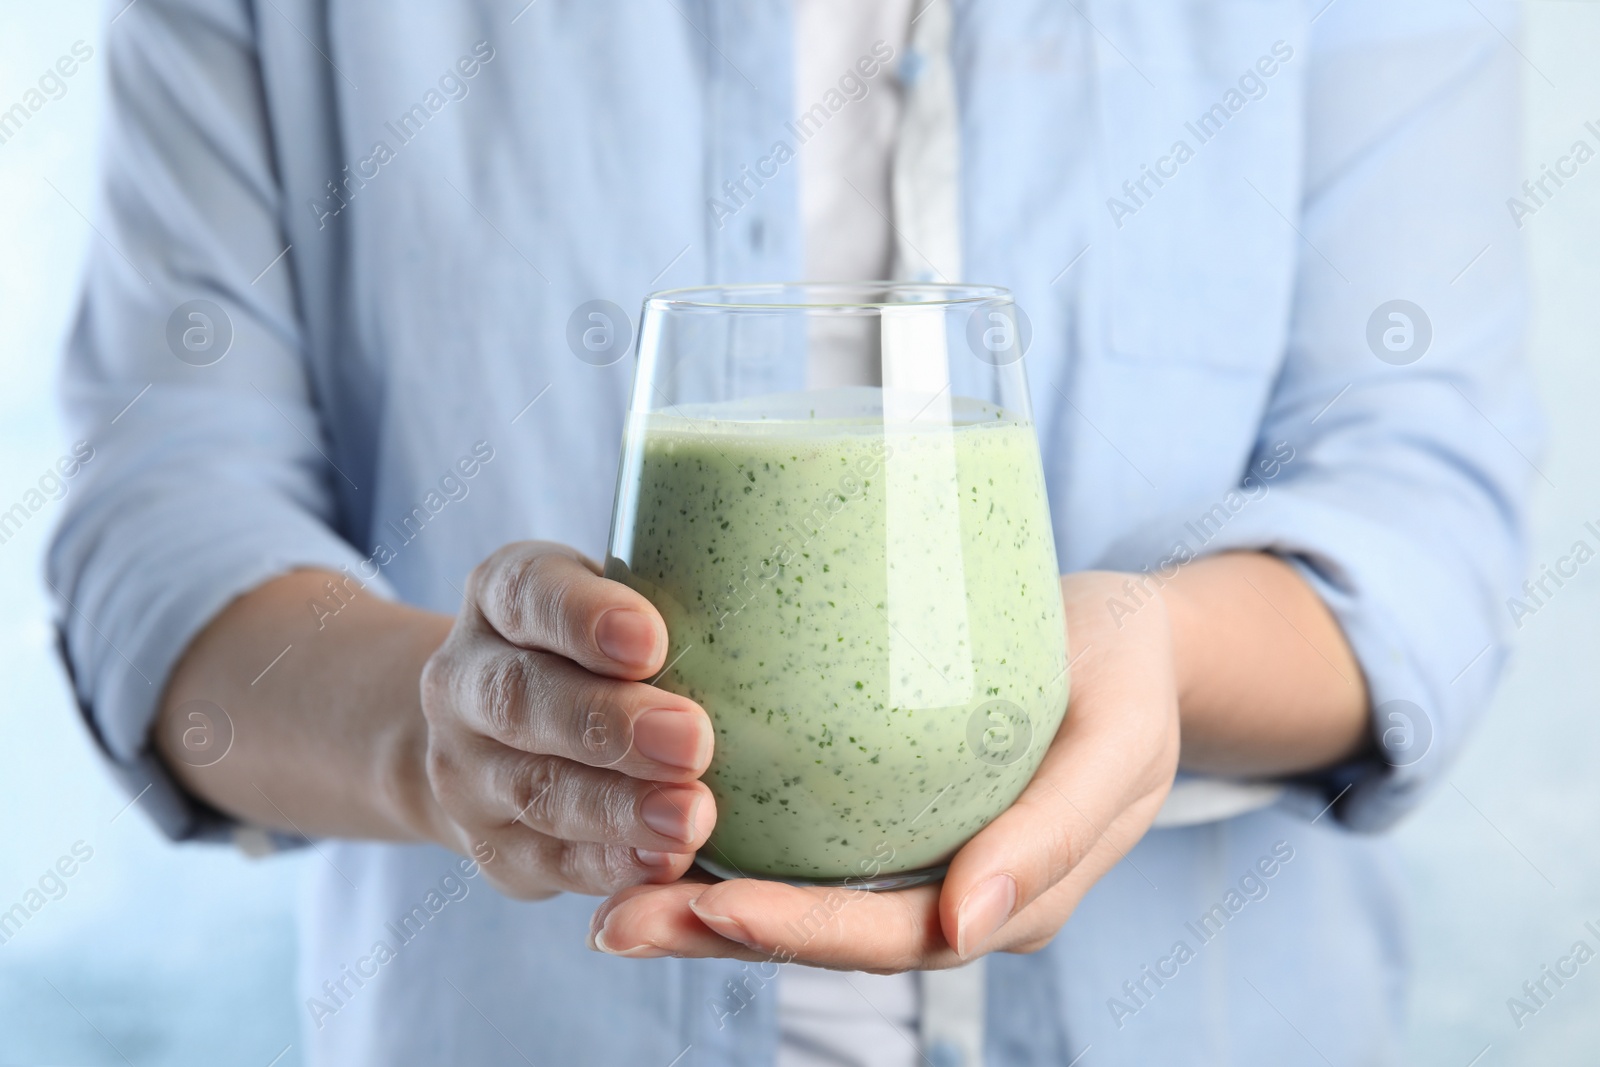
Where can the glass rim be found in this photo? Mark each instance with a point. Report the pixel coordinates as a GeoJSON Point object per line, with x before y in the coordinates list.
{"type": "Point", "coordinates": [740, 296]}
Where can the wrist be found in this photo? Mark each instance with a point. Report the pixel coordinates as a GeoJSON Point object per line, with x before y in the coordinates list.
{"type": "Point", "coordinates": [1185, 625]}
{"type": "Point", "coordinates": [403, 785]}
{"type": "Point", "coordinates": [1266, 683]}
{"type": "Point", "coordinates": [1122, 605]}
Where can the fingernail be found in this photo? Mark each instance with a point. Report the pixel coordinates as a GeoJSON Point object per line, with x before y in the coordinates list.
{"type": "Point", "coordinates": [705, 818]}
{"type": "Point", "coordinates": [675, 738]}
{"type": "Point", "coordinates": [627, 636]}
{"type": "Point", "coordinates": [597, 941]}
{"type": "Point", "coordinates": [983, 912]}
{"type": "Point", "coordinates": [651, 858]}
{"type": "Point", "coordinates": [671, 814]}
{"type": "Point", "coordinates": [722, 925]}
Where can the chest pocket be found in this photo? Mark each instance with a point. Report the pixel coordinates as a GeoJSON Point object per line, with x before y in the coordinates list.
{"type": "Point", "coordinates": [1202, 134]}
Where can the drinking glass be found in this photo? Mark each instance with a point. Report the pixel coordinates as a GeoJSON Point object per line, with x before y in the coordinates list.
{"type": "Point", "coordinates": [833, 495]}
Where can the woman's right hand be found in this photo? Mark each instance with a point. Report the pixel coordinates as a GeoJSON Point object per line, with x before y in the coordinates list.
{"type": "Point", "coordinates": [546, 742]}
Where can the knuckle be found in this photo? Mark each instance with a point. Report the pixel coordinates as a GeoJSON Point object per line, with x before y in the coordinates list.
{"type": "Point", "coordinates": [616, 809]}
{"type": "Point", "coordinates": [447, 782]}
{"type": "Point", "coordinates": [592, 868]}
{"type": "Point", "coordinates": [519, 593]}
{"type": "Point", "coordinates": [912, 934]}
{"type": "Point", "coordinates": [567, 864]}
{"type": "Point", "coordinates": [438, 680]}
{"type": "Point", "coordinates": [1063, 851]}
{"type": "Point", "coordinates": [438, 764]}
{"type": "Point", "coordinates": [478, 577]}
{"type": "Point", "coordinates": [616, 868]}
{"type": "Point", "coordinates": [534, 596]}
{"type": "Point", "coordinates": [537, 794]}
{"type": "Point", "coordinates": [1065, 837]}
{"type": "Point", "coordinates": [503, 694]}
{"type": "Point", "coordinates": [604, 731]}
{"type": "Point", "coordinates": [554, 606]}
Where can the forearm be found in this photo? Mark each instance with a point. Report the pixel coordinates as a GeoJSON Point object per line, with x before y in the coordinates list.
{"type": "Point", "coordinates": [1267, 682]}
{"type": "Point", "coordinates": [329, 739]}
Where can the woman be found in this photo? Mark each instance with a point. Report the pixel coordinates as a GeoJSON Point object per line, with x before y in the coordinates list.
{"type": "Point", "coordinates": [1275, 310]}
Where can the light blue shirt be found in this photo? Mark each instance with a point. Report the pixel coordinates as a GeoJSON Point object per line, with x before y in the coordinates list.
{"type": "Point", "coordinates": [1203, 208]}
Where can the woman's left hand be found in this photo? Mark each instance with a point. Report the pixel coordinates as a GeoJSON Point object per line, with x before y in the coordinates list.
{"type": "Point", "coordinates": [1010, 888]}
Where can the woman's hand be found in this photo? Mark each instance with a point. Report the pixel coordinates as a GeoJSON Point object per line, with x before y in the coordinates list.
{"type": "Point", "coordinates": [1012, 886]}
{"type": "Point", "coordinates": [532, 729]}
{"type": "Point", "coordinates": [545, 741]}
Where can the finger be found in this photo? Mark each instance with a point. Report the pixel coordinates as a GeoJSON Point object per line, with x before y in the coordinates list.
{"type": "Point", "coordinates": [1095, 787]}
{"type": "Point", "coordinates": [1036, 925]}
{"type": "Point", "coordinates": [568, 800]}
{"type": "Point", "coordinates": [1101, 782]}
{"type": "Point", "coordinates": [654, 920]}
{"type": "Point", "coordinates": [548, 597]}
{"type": "Point", "coordinates": [845, 929]}
{"type": "Point", "coordinates": [530, 866]}
{"type": "Point", "coordinates": [658, 922]}
{"type": "Point", "coordinates": [539, 702]}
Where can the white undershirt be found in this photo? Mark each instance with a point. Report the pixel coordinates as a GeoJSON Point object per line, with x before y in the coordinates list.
{"type": "Point", "coordinates": [847, 233]}
{"type": "Point", "coordinates": [829, 1018]}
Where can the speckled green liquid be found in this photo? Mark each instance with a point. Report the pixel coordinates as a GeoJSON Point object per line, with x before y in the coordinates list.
{"type": "Point", "coordinates": [850, 602]}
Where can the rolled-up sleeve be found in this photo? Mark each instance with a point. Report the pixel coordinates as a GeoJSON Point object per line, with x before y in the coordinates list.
{"type": "Point", "coordinates": [1404, 493]}
{"type": "Point", "coordinates": [210, 471]}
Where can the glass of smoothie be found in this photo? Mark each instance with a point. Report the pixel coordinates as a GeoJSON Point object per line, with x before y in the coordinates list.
{"type": "Point", "coordinates": [833, 494]}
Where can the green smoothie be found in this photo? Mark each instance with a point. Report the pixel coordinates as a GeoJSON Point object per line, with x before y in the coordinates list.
{"type": "Point", "coordinates": [868, 609]}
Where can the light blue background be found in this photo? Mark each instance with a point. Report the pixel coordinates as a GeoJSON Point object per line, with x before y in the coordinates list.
{"type": "Point", "coordinates": [162, 955]}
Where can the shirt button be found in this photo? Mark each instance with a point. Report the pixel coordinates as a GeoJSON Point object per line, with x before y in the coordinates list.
{"type": "Point", "coordinates": [945, 1054]}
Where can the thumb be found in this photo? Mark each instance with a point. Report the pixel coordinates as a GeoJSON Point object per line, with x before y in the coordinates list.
{"type": "Point", "coordinates": [1100, 784]}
